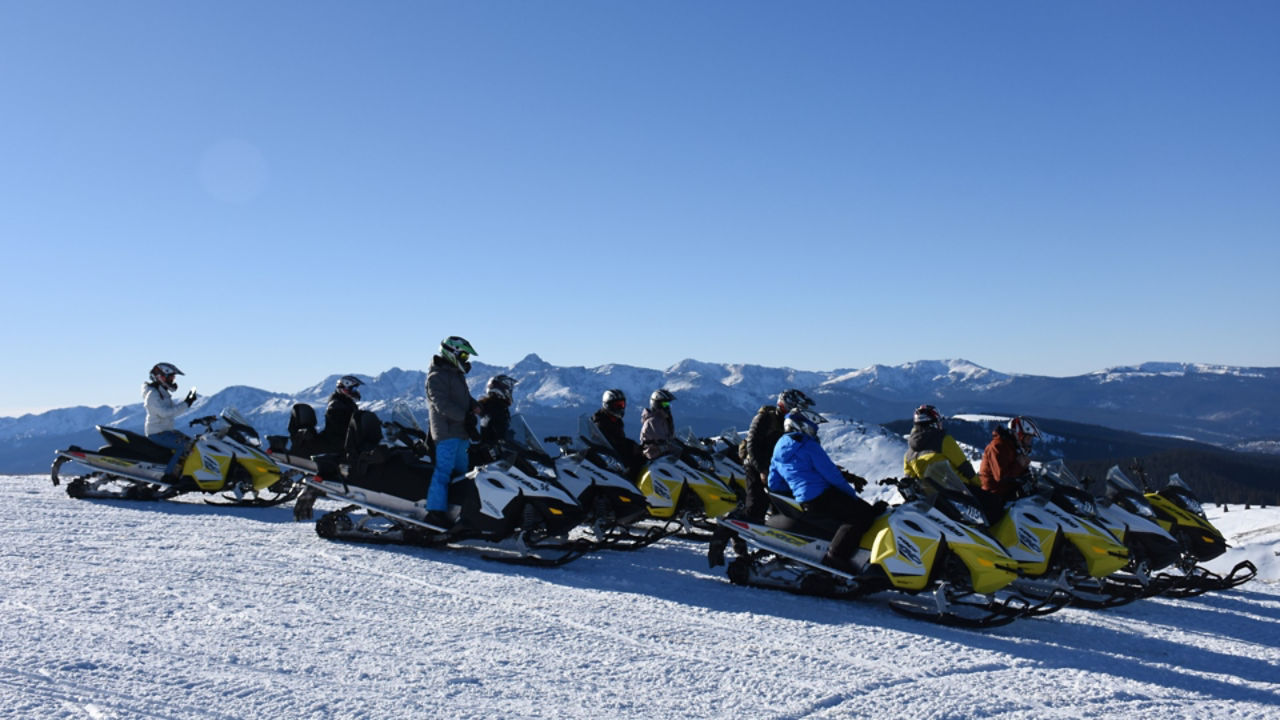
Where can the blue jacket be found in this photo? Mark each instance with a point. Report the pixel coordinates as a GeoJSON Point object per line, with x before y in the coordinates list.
{"type": "Point", "coordinates": [801, 466]}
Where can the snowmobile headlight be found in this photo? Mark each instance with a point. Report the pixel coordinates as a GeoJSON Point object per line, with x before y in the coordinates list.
{"type": "Point", "coordinates": [1144, 510]}
{"type": "Point", "coordinates": [1083, 507]}
{"type": "Point", "coordinates": [613, 464]}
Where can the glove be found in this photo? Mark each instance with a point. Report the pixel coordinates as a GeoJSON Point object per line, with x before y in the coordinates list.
{"type": "Point", "coordinates": [859, 482]}
{"type": "Point", "coordinates": [191, 398]}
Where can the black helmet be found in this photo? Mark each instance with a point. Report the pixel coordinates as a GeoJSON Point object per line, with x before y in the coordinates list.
{"type": "Point", "coordinates": [502, 386]}
{"type": "Point", "coordinates": [347, 385]}
{"type": "Point", "coordinates": [165, 375]}
{"type": "Point", "coordinates": [661, 398]}
{"type": "Point", "coordinates": [793, 399]}
{"type": "Point", "coordinates": [928, 415]}
{"type": "Point", "coordinates": [614, 402]}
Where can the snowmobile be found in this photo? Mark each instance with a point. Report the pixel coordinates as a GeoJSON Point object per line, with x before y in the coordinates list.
{"type": "Point", "coordinates": [685, 495]}
{"type": "Point", "coordinates": [938, 568]}
{"type": "Point", "coordinates": [496, 506]}
{"type": "Point", "coordinates": [1150, 547]}
{"type": "Point", "coordinates": [717, 456]}
{"type": "Point", "coordinates": [1177, 510]}
{"type": "Point", "coordinates": [1060, 547]}
{"type": "Point", "coordinates": [225, 457]}
{"type": "Point", "coordinates": [598, 482]}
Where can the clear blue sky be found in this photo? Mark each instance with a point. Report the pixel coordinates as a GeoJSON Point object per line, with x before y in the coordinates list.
{"type": "Point", "coordinates": [268, 192]}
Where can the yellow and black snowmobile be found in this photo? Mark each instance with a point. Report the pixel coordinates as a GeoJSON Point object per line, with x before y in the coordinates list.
{"type": "Point", "coordinates": [937, 567]}
{"type": "Point", "coordinates": [225, 458]}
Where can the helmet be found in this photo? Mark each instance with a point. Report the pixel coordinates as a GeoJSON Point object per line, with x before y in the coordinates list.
{"type": "Point", "coordinates": [928, 415]}
{"type": "Point", "coordinates": [164, 375]}
{"type": "Point", "coordinates": [793, 399]}
{"type": "Point", "coordinates": [614, 402]}
{"type": "Point", "coordinates": [1024, 430]}
{"type": "Point", "coordinates": [801, 422]}
{"type": "Point", "coordinates": [501, 385]}
{"type": "Point", "coordinates": [457, 350]}
{"type": "Point", "coordinates": [347, 385]}
{"type": "Point", "coordinates": [661, 398]}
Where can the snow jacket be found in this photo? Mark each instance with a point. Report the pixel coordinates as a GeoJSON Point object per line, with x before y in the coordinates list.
{"type": "Point", "coordinates": [611, 427]}
{"type": "Point", "coordinates": [162, 409]}
{"type": "Point", "coordinates": [449, 400]}
{"type": "Point", "coordinates": [1002, 463]}
{"type": "Point", "coordinates": [927, 445]}
{"type": "Point", "coordinates": [763, 435]}
{"type": "Point", "coordinates": [495, 419]}
{"type": "Point", "coordinates": [337, 416]}
{"type": "Point", "coordinates": [802, 468]}
{"type": "Point", "coordinates": [657, 433]}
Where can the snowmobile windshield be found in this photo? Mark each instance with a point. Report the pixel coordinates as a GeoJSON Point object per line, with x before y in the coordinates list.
{"type": "Point", "coordinates": [1057, 470]}
{"type": "Point", "coordinates": [941, 476]}
{"type": "Point", "coordinates": [1116, 477]}
{"type": "Point", "coordinates": [1176, 481]}
{"type": "Point", "coordinates": [404, 417]}
{"type": "Point", "coordinates": [232, 416]}
{"type": "Point", "coordinates": [591, 434]}
{"type": "Point", "coordinates": [521, 435]}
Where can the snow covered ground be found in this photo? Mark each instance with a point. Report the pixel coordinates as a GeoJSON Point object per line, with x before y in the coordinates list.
{"type": "Point", "coordinates": [185, 610]}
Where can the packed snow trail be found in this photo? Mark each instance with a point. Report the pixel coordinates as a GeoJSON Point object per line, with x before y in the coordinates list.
{"type": "Point", "coordinates": [178, 609]}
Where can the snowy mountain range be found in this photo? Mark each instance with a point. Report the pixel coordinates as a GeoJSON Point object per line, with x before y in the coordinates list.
{"type": "Point", "coordinates": [1209, 403]}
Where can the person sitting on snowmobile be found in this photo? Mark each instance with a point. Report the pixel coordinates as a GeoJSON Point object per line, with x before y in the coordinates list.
{"type": "Point", "coordinates": [801, 468]}
{"type": "Point", "coordinates": [337, 414]}
{"type": "Point", "coordinates": [449, 402]}
{"type": "Point", "coordinates": [494, 421]}
{"type": "Point", "coordinates": [608, 419]}
{"type": "Point", "coordinates": [762, 437]}
{"type": "Point", "coordinates": [928, 444]}
{"type": "Point", "coordinates": [162, 410]}
{"type": "Point", "coordinates": [1008, 456]}
{"type": "Point", "coordinates": [657, 427]}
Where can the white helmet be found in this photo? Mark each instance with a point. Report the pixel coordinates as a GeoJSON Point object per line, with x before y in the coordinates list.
{"type": "Point", "coordinates": [347, 385]}
{"type": "Point", "coordinates": [802, 422]}
{"type": "Point", "coordinates": [1024, 431]}
{"type": "Point", "coordinates": [793, 399]}
{"type": "Point", "coordinates": [164, 374]}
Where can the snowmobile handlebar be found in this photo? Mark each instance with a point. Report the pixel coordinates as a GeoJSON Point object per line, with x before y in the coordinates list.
{"type": "Point", "coordinates": [207, 421]}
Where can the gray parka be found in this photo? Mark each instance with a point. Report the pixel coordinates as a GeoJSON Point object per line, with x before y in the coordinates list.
{"type": "Point", "coordinates": [448, 400]}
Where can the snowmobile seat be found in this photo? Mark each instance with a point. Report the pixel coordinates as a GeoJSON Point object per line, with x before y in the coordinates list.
{"type": "Point", "coordinates": [784, 516]}
{"type": "Point", "coordinates": [303, 438]}
{"type": "Point", "coordinates": [129, 445]}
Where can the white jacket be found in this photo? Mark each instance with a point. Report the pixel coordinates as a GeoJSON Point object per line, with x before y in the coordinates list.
{"type": "Point", "coordinates": [162, 409]}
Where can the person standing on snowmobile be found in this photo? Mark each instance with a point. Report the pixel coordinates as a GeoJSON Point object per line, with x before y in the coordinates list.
{"type": "Point", "coordinates": [449, 402]}
{"type": "Point", "coordinates": [1008, 456]}
{"type": "Point", "coordinates": [337, 414]}
{"type": "Point", "coordinates": [608, 419]}
{"type": "Point", "coordinates": [801, 467]}
{"type": "Point", "coordinates": [763, 435]}
{"type": "Point", "coordinates": [928, 444]}
{"type": "Point", "coordinates": [494, 421]}
{"type": "Point", "coordinates": [657, 427]}
{"type": "Point", "coordinates": [162, 410]}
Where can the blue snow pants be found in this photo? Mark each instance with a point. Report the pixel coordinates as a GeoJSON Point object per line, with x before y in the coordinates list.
{"type": "Point", "coordinates": [451, 462]}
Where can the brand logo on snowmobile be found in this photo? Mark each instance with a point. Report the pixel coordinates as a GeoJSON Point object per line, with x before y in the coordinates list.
{"type": "Point", "coordinates": [211, 464]}
{"type": "Point", "coordinates": [907, 549]}
{"type": "Point", "coordinates": [787, 538]}
{"type": "Point", "coordinates": [1029, 539]}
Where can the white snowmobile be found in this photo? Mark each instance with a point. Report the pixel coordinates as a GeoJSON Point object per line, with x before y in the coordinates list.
{"type": "Point", "coordinates": [938, 568]}
{"type": "Point", "coordinates": [225, 458]}
{"type": "Point", "coordinates": [598, 482]}
{"type": "Point", "coordinates": [496, 506]}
